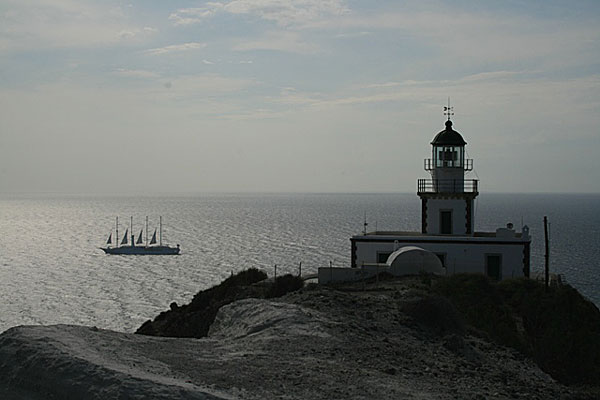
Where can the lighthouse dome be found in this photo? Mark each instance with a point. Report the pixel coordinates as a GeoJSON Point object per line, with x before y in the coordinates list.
{"type": "Point", "coordinates": [448, 137]}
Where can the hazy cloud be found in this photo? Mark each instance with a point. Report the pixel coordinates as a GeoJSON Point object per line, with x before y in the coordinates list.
{"type": "Point", "coordinates": [351, 35]}
{"type": "Point", "coordinates": [136, 73]}
{"type": "Point", "coordinates": [291, 42]}
{"type": "Point", "coordinates": [281, 12]}
{"type": "Point", "coordinates": [207, 85]}
{"type": "Point", "coordinates": [476, 37]}
{"type": "Point", "coordinates": [64, 23]}
{"type": "Point", "coordinates": [175, 48]}
{"type": "Point", "coordinates": [189, 16]}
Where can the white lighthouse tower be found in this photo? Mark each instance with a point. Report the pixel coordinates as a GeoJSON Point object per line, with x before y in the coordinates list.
{"type": "Point", "coordinates": [447, 198]}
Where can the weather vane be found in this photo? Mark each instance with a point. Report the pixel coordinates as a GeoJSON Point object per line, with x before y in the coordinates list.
{"type": "Point", "coordinates": [448, 110]}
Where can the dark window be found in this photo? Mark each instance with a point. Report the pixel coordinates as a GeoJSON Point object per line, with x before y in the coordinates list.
{"type": "Point", "coordinates": [493, 266]}
{"type": "Point", "coordinates": [448, 156]}
{"type": "Point", "coordinates": [382, 257]}
{"type": "Point", "coordinates": [446, 222]}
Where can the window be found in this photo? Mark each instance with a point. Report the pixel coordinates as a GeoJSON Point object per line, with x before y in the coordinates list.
{"type": "Point", "coordinates": [493, 266]}
{"type": "Point", "coordinates": [448, 156]}
{"type": "Point", "coordinates": [382, 257]}
{"type": "Point", "coordinates": [446, 222]}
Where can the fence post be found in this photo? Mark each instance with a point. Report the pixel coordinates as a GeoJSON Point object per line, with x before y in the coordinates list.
{"type": "Point", "coordinates": [330, 271]}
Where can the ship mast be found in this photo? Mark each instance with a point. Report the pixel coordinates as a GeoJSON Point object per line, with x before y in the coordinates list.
{"type": "Point", "coordinates": [132, 234]}
{"type": "Point", "coordinates": [117, 231]}
{"type": "Point", "coordinates": [160, 224]}
{"type": "Point", "coordinates": [146, 231]}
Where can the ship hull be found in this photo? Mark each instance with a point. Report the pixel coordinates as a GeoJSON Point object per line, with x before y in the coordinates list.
{"type": "Point", "coordinates": [142, 250]}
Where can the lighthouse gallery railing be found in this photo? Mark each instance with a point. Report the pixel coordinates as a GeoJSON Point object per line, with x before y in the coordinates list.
{"type": "Point", "coordinates": [447, 186]}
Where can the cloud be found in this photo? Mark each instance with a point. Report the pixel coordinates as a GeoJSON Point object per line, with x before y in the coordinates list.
{"type": "Point", "coordinates": [471, 38]}
{"type": "Point", "coordinates": [136, 73]}
{"type": "Point", "coordinates": [40, 24]}
{"type": "Point", "coordinates": [498, 90]}
{"type": "Point", "coordinates": [290, 42]}
{"type": "Point", "coordinates": [207, 85]}
{"type": "Point", "coordinates": [189, 16]}
{"type": "Point", "coordinates": [175, 48]}
{"type": "Point", "coordinates": [133, 33]}
{"type": "Point", "coordinates": [281, 12]}
{"type": "Point", "coordinates": [351, 35]}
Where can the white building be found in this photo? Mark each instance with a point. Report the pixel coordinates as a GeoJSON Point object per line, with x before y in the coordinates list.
{"type": "Point", "coordinates": [447, 224]}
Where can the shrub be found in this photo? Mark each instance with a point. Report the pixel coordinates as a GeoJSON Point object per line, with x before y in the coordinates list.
{"type": "Point", "coordinates": [561, 328]}
{"type": "Point", "coordinates": [284, 284]}
{"type": "Point", "coordinates": [482, 305]}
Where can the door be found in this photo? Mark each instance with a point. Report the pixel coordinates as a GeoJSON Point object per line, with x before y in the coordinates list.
{"type": "Point", "coordinates": [493, 266]}
{"type": "Point", "coordinates": [446, 222]}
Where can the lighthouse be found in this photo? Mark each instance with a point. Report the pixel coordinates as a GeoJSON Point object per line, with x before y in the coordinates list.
{"type": "Point", "coordinates": [447, 198]}
{"type": "Point", "coordinates": [447, 227]}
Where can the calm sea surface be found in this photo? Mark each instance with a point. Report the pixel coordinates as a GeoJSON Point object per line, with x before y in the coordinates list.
{"type": "Point", "coordinates": [52, 271]}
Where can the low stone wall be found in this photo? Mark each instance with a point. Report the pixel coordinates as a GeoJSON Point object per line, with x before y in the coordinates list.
{"type": "Point", "coordinates": [332, 275]}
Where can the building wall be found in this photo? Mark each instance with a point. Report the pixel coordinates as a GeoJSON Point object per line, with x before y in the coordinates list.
{"type": "Point", "coordinates": [459, 215]}
{"type": "Point", "coordinates": [459, 257]}
{"type": "Point", "coordinates": [450, 174]}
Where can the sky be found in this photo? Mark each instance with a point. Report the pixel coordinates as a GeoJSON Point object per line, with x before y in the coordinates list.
{"type": "Point", "coordinates": [178, 96]}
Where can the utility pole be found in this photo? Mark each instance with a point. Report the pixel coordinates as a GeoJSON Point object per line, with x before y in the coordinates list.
{"type": "Point", "coordinates": [547, 255]}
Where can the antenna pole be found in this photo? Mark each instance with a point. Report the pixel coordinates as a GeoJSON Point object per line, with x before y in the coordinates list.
{"type": "Point", "coordinates": [448, 110]}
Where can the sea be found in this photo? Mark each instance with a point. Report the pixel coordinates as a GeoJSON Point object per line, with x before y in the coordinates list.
{"type": "Point", "coordinates": [52, 270]}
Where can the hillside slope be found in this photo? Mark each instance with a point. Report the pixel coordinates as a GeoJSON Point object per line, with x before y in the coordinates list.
{"type": "Point", "coordinates": [396, 340]}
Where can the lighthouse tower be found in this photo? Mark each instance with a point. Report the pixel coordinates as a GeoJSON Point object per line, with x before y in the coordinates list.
{"type": "Point", "coordinates": [447, 198]}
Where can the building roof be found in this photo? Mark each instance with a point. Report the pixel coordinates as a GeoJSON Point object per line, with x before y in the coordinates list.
{"type": "Point", "coordinates": [448, 137]}
{"type": "Point", "coordinates": [418, 237]}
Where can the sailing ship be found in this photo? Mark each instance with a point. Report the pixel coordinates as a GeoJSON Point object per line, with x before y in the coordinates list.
{"type": "Point", "coordinates": [130, 246]}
